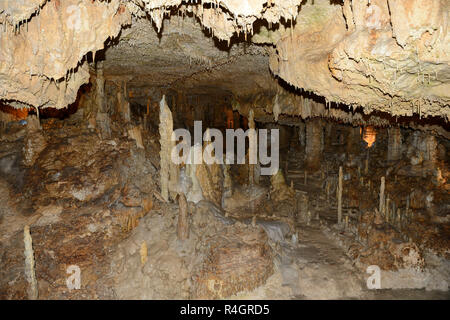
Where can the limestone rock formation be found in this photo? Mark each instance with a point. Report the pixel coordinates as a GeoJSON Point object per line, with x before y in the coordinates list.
{"type": "Point", "coordinates": [279, 189]}
{"type": "Point", "coordinates": [244, 262]}
{"type": "Point", "coordinates": [44, 45]}
{"type": "Point", "coordinates": [169, 170]}
{"type": "Point", "coordinates": [381, 55]}
{"type": "Point", "coordinates": [390, 56]}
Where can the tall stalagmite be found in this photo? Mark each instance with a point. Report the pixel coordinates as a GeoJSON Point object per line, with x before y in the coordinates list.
{"type": "Point", "coordinates": [210, 175]}
{"type": "Point", "coordinates": [123, 106]}
{"type": "Point", "coordinates": [101, 115]}
{"type": "Point", "coordinates": [30, 265]}
{"type": "Point", "coordinates": [194, 194]}
{"type": "Point", "coordinates": [168, 172]}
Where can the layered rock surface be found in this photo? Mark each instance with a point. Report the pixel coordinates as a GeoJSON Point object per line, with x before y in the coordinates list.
{"type": "Point", "coordinates": [384, 55]}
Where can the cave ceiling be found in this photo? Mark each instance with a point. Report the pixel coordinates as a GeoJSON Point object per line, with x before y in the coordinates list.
{"type": "Point", "coordinates": [183, 57]}
{"type": "Point", "coordinates": [389, 56]}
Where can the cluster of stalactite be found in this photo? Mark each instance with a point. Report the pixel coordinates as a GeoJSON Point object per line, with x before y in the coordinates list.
{"type": "Point", "coordinates": [383, 55]}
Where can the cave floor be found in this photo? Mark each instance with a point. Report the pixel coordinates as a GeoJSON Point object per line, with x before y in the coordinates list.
{"type": "Point", "coordinates": [94, 203]}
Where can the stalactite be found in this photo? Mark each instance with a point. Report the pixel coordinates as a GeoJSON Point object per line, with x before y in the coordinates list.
{"type": "Point", "coordinates": [276, 110]}
{"type": "Point", "coordinates": [195, 192]}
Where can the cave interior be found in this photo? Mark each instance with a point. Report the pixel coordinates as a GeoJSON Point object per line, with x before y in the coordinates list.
{"type": "Point", "coordinates": [354, 96]}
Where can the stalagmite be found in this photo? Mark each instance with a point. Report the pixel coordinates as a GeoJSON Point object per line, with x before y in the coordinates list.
{"type": "Point", "coordinates": [382, 201]}
{"type": "Point", "coordinates": [340, 196]}
{"type": "Point", "coordinates": [99, 108]}
{"type": "Point", "coordinates": [89, 186]}
{"type": "Point", "coordinates": [183, 219]}
{"type": "Point", "coordinates": [210, 178]}
{"type": "Point", "coordinates": [135, 134]}
{"type": "Point", "coordinates": [29, 264]}
{"type": "Point", "coordinates": [280, 191]}
{"type": "Point", "coordinates": [123, 105]}
{"type": "Point", "coordinates": [210, 175]}
{"type": "Point", "coordinates": [165, 132]}
{"type": "Point", "coordinates": [195, 192]}
{"type": "Point", "coordinates": [34, 142]}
